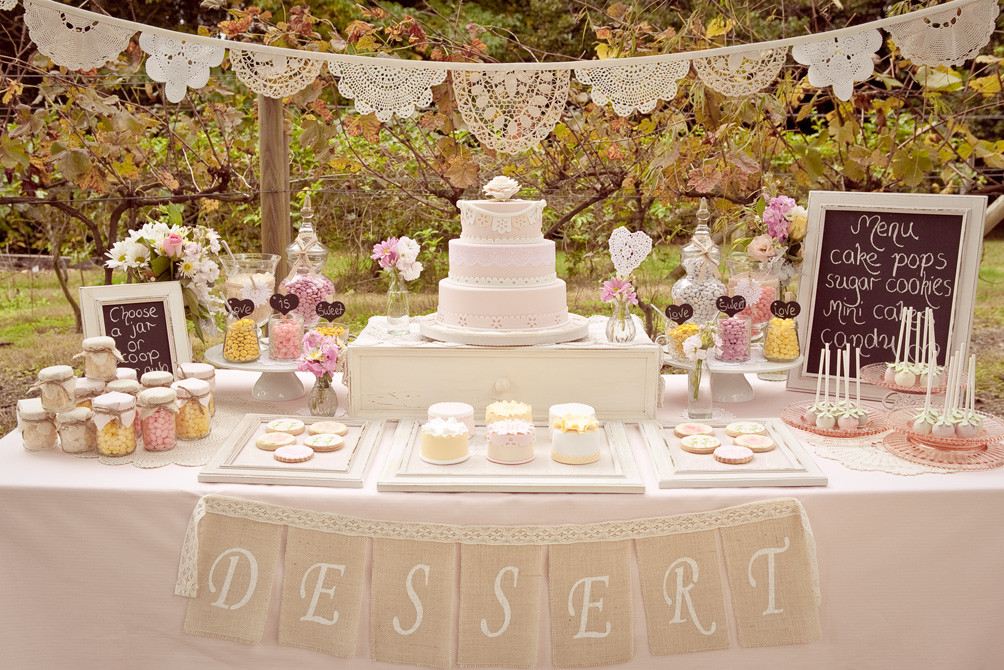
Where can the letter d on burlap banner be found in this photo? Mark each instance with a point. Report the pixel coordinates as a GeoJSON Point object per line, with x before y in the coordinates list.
{"type": "Point", "coordinates": [411, 602]}
{"type": "Point", "coordinates": [322, 591]}
{"type": "Point", "coordinates": [590, 603]}
{"type": "Point", "coordinates": [236, 560]}
{"type": "Point", "coordinates": [772, 572]}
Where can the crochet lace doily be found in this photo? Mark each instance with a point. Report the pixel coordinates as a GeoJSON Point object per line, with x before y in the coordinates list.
{"type": "Point", "coordinates": [628, 250]}
{"type": "Point", "coordinates": [191, 453]}
{"type": "Point", "coordinates": [867, 455]}
{"type": "Point", "coordinates": [389, 90]}
{"type": "Point", "coordinates": [511, 110]}
{"type": "Point", "coordinates": [839, 61]}
{"type": "Point", "coordinates": [275, 76]}
{"type": "Point", "coordinates": [949, 37]}
{"type": "Point", "coordinates": [8, 4]}
{"type": "Point", "coordinates": [741, 74]}
{"type": "Point", "coordinates": [73, 41]}
{"type": "Point", "coordinates": [633, 87]}
{"type": "Point", "coordinates": [179, 64]}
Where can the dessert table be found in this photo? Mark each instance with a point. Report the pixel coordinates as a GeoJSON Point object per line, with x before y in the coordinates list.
{"type": "Point", "coordinates": [910, 567]}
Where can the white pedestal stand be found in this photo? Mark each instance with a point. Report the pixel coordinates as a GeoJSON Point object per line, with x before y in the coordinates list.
{"type": "Point", "coordinates": [728, 380]}
{"type": "Point", "coordinates": [278, 380]}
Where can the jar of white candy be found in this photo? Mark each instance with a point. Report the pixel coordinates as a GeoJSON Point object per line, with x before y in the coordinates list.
{"type": "Point", "coordinates": [101, 358]}
{"type": "Point", "coordinates": [306, 257]}
{"type": "Point", "coordinates": [701, 286]}
{"type": "Point", "coordinates": [58, 387]}
{"type": "Point", "coordinates": [37, 427]}
{"type": "Point", "coordinates": [114, 416]}
{"type": "Point", "coordinates": [77, 432]}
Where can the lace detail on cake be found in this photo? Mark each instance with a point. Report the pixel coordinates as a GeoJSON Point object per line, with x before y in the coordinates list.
{"type": "Point", "coordinates": [387, 90]}
{"type": "Point", "coordinates": [478, 223]}
{"type": "Point", "coordinates": [488, 255]}
{"type": "Point", "coordinates": [179, 64]}
{"type": "Point", "coordinates": [507, 322]}
{"type": "Point", "coordinates": [633, 87]}
{"type": "Point", "coordinates": [75, 41]}
{"type": "Point", "coordinates": [949, 37]}
{"type": "Point", "coordinates": [741, 74]}
{"type": "Point", "coordinates": [277, 76]}
{"type": "Point", "coordinates": [503, 281]}
{"type": "Point", "coordinates": [839, 61]}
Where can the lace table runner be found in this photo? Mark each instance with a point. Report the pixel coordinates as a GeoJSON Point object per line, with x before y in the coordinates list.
{"type": "Point", "coordinates": [867, 454]}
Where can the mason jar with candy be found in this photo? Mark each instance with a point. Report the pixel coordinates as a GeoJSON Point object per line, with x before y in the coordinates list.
{"type": "Point", "coordinates": [114, 416]}
{"type": "Point", "coordinates": [86, 389]}
{"type": "Point", "coordinates": [734, 334]}
{"type": "Point", "coordinates": [203, 371]}
{"type": "Point", "coordinates": [157, 410]}
{"type": "Point", "coordinates": [130, 386]}
{"type": "Point", "coordinates": [156, 379]}
{"type": "Point", "coordinates": [127, 373]}
{"type": "Point", "coordinates": [193, 418]}
{"type": "Point", "coordinates": [101, 358]}
{"type": "Point", "coordinates": [77, 432]}
{"type": "Point", "coordinates": [240, 343]}
{"type": "Point", "coordinates": [285, 337]}
{"type": "Point", "coordinates": [58, 387]}
{"type": "Point", "coordinates": [38, 430]}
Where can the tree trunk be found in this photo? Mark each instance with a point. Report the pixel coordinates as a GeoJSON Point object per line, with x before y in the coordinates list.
{"type": "Point", "coordinates": [56, 246]}
{"type": "Point", "coordinates": [995, 213]}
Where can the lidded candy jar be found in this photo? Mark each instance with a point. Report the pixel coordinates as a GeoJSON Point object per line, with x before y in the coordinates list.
{"type": "Point", "coordinates": [126, 373]}
{"type": "Point", "coordinates": [285, 337]}
{"type": "Point", "coordinates": [193, 418]}
{"type": "Point", "coordinates": [753, 280]}
{"type": "Point", "coordinates": [157, 409]}
{"type": "Point", "coordinates": [58, 387]}
{"type": "Point", "coordinates": [203, 371]}
{"type": "Point", "coordinates": [86, 389]}
{"type": "Point", "coordinates": [156, 379]}
{"type": "Point", "coordinates": [101, 358]}
{"type": "Point", "coordinates": [37, 427]}
{"type": "Point", "coordinates": [240, 343]}
{"type": "Point", "coordinates": [114, 416]}
{"type": "Point", "coordinates": [77, 432]}
{"type": "Point", "coordinates": [130, 386]}
{"type": "Point", "coordinates": [306, 257]}
{"type": "Point", "coordinates": [701, 286]}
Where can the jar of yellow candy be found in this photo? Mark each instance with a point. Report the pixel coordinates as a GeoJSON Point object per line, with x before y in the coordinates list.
{"type": "Point", "coordinates": [114, 416]}
{"type": "Point", "coordinates": [780, 340]}
{"type": "Point", "coordinates": [86, 389]}
{"type": "Point", "coordinates": [240, 344]}
{"type": "Point", "coordinates": [193, 419]}
{"type": "Point", "coordinates": [201, 371]}
{"type": "Point", "coordinates": [677, 336]}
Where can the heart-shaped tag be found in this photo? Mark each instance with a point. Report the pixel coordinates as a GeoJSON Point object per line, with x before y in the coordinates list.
{"type": "Point", "coordinates": [240, 308]}
{"type": "Point", "coordinates": [679, 313]}
{"type": "Point", "coordinates": [628, 250]}
{"type": "Point", "coordinates": [785, 310]}
{"type": "Point", "coordinates": [731, 305]}
{"type": "Point", "coordinates": [330, 311]}
{"type": "Point", "coordinates": [284, 304]}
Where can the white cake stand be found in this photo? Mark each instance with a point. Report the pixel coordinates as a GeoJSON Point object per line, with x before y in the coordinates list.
{"type": "Point", "coordinates": [728, 380]}
{"type": "Point", "coordinates": [278, 380]}
{"type": "Point", "coordinates": [576, 328]}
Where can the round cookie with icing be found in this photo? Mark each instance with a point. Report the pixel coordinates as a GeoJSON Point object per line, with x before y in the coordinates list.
{"type": "Point", "coordinates": [272, 441]}
{"type": "Point", "coordinates": [755, 443]}
{"type": "Point", "coordinates": [328, 428]}
{"type": "Point", "coordinates": [291, 426]}
{"type": "Point", "coordinates": [294, 453]}
{"type": "Point", "coordinates": [699, 444]}
{"type": "Point", "coordinates": [685, 429]}
{"type": "Point", "coordinates": [738, 428]}
{"type": "Point", "coordinates": [733, 455]}
{"type": "Point", "coordinates": [325, 442]}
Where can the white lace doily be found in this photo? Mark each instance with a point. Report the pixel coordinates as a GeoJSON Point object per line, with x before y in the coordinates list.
{"type": "Point", "coordinates": [867, 455]}
{"type": "Point", "coordinates": [717, 414]}
{"type": "Point", "coordinates": [633, 87]}
{"type": "Point", "coordinates": [274, 76]}
{"type": "Point", "coordinates": [8, 4]}
{"type": "Point", "coordinates": [839, 61]}
{"type": "Point", "coordinates": [75, 41]}
{"type": "Point", "coordinates": [741, 74]}
{"type": "Point", "coordinates": [178, 63]}
{"type": "Point", "coordinates": [387, 91]}
{"type": "Point", "coordinates": [628, 250]}
{"type": "Point", "coordinates": [949, 37]}
{"type": "Point", "coordinates": [191, 453]}
{"type": "Point", "coordinates": [511, 110]}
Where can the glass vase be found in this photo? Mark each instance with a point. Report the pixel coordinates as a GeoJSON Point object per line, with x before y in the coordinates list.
{"type": "Point", "coordinates": [699, 391]}
{"type": "Point", "coordinates": [620, 325]}
{"type": "Point", "coordinates": [322, 401]}
{"type": "Point", "coordinates": [397, 305]}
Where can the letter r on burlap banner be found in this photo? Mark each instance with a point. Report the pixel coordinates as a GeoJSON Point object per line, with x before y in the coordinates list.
{"type": "Point", "coordinates": [590, 603]}
{"type": "Point", "coordinates": [235, 562]}
{"type": "Point", "coordinates": [322, 591]}
{"type": "Point", "coordinates": [411, 605]}
{"type": "Point", "coordinates": [499, 605]}
{"type": "Point", "coordinates": [681, 588]}
{"type": "Point", "coordinates": [771, 569]}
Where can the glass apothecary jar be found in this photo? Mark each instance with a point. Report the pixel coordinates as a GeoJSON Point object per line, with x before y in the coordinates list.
{"type": "Point", "coordinates": [58, 387]}
{"type": "Point", "coordinates": [701, 286]}
{"type": "Point", "coordinates": [101, 358]}
{"type": "Point", "coordinates": [193, 420]}
{"type": "Point", "coordinates": [77, 432]}
{"type": "Point", "coordinates": [157, 409]}
{"type": "Point", "coordinates": [752, 279]}
{"type": "Point", "coordinates": [38, 430]}
{"type": "Point", "coordinates": [240, 343]}
{"type": "Point", "coordinates": [285, 337]}
{"type": "Point", "coordinates": [306, 257]}
{"type": "Point", "coordinates": [114, 418]}
{"type": "Point", "coordinates": [251, 277]}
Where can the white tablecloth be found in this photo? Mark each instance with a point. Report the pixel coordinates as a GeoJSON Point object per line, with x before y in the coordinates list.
{"type": "Point", "coordinates": [912, 568]}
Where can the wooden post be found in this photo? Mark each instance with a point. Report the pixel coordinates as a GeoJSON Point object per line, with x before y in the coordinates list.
{"type": "Point", "coordinates": [273, 156]}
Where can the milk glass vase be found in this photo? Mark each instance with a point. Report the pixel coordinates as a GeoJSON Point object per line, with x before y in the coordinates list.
{"type": "Point", "coordinates": [699, 391]}
{"type": "Point", "coordinates": [397, 305]}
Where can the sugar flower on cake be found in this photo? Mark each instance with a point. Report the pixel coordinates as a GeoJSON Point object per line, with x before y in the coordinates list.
{"type": "Point", "coordinates": [619, 288]}
{"type": "Point", "coordinates": [501, 188]}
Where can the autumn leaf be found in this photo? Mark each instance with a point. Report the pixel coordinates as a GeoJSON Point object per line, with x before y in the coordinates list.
{"type": "Point", "coordinates": [210, 204]}
{"type": "Point", "coordinates": [168, 180]}
{"type": "Point", "coordinates": [719, 26]}
{"type": "Point", "coordinates": [602, 32]}
{"type": "Point", "coordinates": [126, 168]}
{"type": "Point", "coordinates": [356, 30]}
{"type": "Point", "coordinates": [14, 89]}
{"type": "Point", "coordinates": [617, 11]}
{"type": "Point", "coordinates": [987, 86]}
{"type": "Point", "coordinates": [615, 153]}
{"type": "Point", "coordinates": [704, 179]}
{"type": "Point", "coordinates": [911, 165]}
{"type": "Point", "coordinates": [462, 173]}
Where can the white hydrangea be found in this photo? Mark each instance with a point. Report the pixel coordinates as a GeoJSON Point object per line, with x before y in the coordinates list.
{"type": "Point", "coordinates": [407, 250]}
{"type": "Point", "coordinates": [410, 271]}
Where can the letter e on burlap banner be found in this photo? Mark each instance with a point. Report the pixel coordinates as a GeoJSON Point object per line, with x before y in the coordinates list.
{"type": "Point", "coordinates": [590, 603]}
{"type": "Point", "coordinates": [411, 610]}
{"type": "Point", "coordinates": [771, 572]}
{"type": "Point", "coordinates": [322, 591]}
{"type": "Point", "coordinates": [236, 560]}
{"type": "Point", "coordinates": [499, 605]}
{"type": "Point", "coordinates": [681, 588]}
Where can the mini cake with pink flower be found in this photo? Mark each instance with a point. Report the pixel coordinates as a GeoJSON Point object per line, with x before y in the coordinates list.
{"type": "Point", "coordinates": [511, 441]}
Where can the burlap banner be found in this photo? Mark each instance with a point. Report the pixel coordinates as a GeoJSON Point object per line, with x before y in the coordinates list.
{"type": "Point", "coordinates": [750, 568]}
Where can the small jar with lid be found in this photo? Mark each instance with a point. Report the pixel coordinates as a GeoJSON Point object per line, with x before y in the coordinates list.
{"type": "Point", "coordinates": [130, 386]}
{"type": "Point", "coordinates": [126, 373]}
{"type": "Point", "coordinates": [193, 418]}
{"type": "Point", "coordinates": [203, 371]}
{"type": "Point", "coordinates": [77, 432]}
{"type": "Point", "coordinates": [157, 409]}
{"type": "Point", "coordinates": [101, 358]}
{"type": "Point", "coordinates": [156, 379]}
{"type": "Point", "coordinates": [240, 343]}
{"type": "Point", "coordinates": [58, 387]}
{"type": "Point", "coordinates": [38, 430]}
{"type": "Point", "coordinates": [754, 281]}
{"type": "Point", "coordinates": [306, 257]}
{"type": "Point", "coordinates": [285, 337]}
{"type": "Point", "coordinates": [701, 285]}
{"type": "Point", "coordinates": [780, 340]}
{"type": "Point", "coordinates": [114, 417]}
{"type": "Point", "coordinates": [86, 389]}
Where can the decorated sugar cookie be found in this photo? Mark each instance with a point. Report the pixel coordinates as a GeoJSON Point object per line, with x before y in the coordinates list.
{"type": "Point", "coordinates": [272, 441]}
{"type": "Point", "coordinates": [755, 443]}
{"type": "Point", "coordinates": [685, 429]}
{"type": "Point", "coordinates": [291, 426]}
{"type": "Point", "coordinates": [700, 444]}
{"type": "Point", "coordinates": [733, 455]}
{"type": "Point", "coordinates": [294, 453]}
{"type": "Point", "coordinates": [325, 442]}
{"type": "Point", "coordinates": [330, 427]}
{"type": "Point", "coordinates": [745, 428]}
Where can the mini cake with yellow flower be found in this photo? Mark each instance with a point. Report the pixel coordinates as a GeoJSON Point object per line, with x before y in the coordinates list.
{"type": "Point", "coordinates": [576, 439]}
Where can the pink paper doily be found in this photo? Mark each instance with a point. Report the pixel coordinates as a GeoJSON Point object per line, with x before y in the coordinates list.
{"type": "Point", "coordinates": [901, 421]}
{"type": "Point", "coordinates": [976, 458]}
{"type": "Point", "coordinates": [793, 416]}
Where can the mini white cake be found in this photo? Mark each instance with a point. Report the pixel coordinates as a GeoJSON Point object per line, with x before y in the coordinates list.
{"type": "Point", "coordinates": [511, 441]}
{"type": "Point", "coordinates": [460, 411]}
{"type": "Point", "coordinates": [576, 440]}
{"type": "Point", "coordinates": [559, 411]}
{"type": "Point", "coordinates": [501, 410]}
{"type": "Point", "coordinates": [444, 442]}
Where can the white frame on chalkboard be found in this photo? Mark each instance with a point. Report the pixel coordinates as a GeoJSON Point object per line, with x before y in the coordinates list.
{"type": "Point", "coordinates": [971, 208]}
{"type": "Point", "coordinates": [93, 298]}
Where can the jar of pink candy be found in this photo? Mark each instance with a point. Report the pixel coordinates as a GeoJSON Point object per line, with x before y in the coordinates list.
{"type": "Point", "coordinates": [306, 257]}
{"type": "Point", "coordinates": [752, 280]}
{"type": "Point", "coordinates": [157, 407]}
{"type": "Point", "coordinates": [285, 337]}
{"type": "Point", "coordinates": [734, 333]}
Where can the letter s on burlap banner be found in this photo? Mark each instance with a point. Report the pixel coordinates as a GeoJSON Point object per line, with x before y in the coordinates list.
{"type": "Point", "coordinates": [322, 591]}
{"type": "Point", "coordinates": [235, 563]}
{"type": "Point", "coordinates": [411, 602]}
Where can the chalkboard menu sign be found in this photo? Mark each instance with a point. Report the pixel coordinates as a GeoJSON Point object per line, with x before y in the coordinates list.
{"type": "Point", "coordinates": [867, 255]}
{"type": "Point", "coordinates": [147, 322]}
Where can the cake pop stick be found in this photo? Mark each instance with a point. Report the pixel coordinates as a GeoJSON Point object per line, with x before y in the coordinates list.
{"type": "Point", "coordinates": [847, 419]}
{"type": "Point", "coordinates": [971, 424]}
{"type": "Point", "coordinates": [904, 376]}
{"type": "Point", "coordinates": [899, 339]}
{"type": "Point", "coordinates": [916, 344]}
{"type": "Point", "coordinates": [924, 421]}
{"type": "Point", "coordinates": [826, 419]}
{"type": "Point", "coordinates": [862, 414]}
{"type": "Point", "coordinates": [815, 408]}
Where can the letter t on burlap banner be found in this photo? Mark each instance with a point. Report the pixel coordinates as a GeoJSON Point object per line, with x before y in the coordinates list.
{"type": "Point", "coordinates": [771, 571]}
{"type": "Point", "coordinates": [322, 591]}
{"type": "Point", "coordinates": [590, 603]}
{"type": "Point", "coordinates": [411, 608]}
{"type": "Point", "coordinates": [499, 605]}
{"type": "Point", "coordinates": [681, 588]}
{"type": "Point", "coordinates": [236, 561]}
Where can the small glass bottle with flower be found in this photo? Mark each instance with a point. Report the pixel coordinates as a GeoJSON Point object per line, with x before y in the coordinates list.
{"type": "Point", "coordinates": [398, 257]}
{"type": "Point", "coordinates": [322, 357]}
{"type": "Point", "coordinates": [696, 349]}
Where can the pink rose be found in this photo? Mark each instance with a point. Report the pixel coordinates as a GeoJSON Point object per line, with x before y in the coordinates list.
{"type": "Point", "coordinates": [761, 247]}
{"type": "Point", "coordinates": [172, 245]}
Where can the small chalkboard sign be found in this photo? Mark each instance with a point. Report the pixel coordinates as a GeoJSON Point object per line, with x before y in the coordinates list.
{"type": "Point", "coordinates": [147, 322]}
{"type": "Point", "coordinates": [329, 311]}
{"type": "Point", "coordinates": [867, 255]}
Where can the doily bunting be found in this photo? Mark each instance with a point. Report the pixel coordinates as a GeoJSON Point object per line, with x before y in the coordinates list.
{"type": "Point", "coordinates": [73, 40]}
{"type": "Point", "coordinates": [274, 76]}
{"type": "Point", "coordinates": [950, 37]}
{"type": "Point", "coordinates": [839, 62]}
{"type": "Point", "coordinates": [179, 63]}
{"type": "Point", "coordinates": [387, 90]}
{"type": "Point", "coordinates": [742, 73]}
{"type": "Point", "coordinates": [633, 87]}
